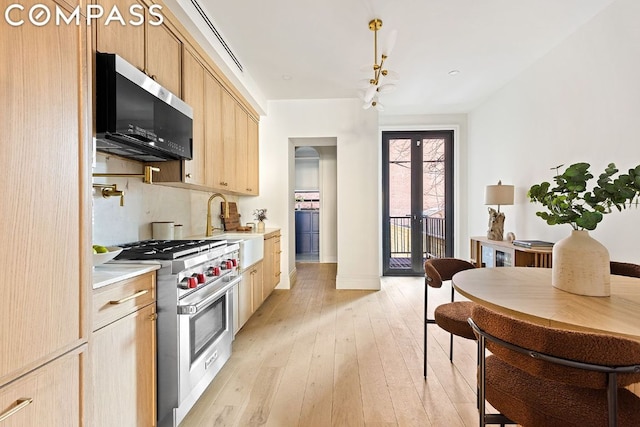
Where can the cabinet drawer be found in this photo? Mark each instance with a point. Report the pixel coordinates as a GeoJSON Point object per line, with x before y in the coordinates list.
{"type": "Point", "coordinates": [49, 396]}
{"type": "Point", "coordinates": [121, 298]}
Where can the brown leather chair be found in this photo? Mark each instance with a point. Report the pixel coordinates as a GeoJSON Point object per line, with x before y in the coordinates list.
{"type": "Point", "coordinates": [452, 316]}
{"type": "Point", "coordinates": [624, 269]}
{"type": "Point", "coordinates": [542, 376]}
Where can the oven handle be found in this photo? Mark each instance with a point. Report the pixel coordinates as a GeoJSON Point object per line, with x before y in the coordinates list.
{"type": "Point", "coordinates": [194, 308]}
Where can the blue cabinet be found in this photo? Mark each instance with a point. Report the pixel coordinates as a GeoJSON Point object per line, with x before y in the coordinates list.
{"type": "Point", "coordinates": [307, 232]}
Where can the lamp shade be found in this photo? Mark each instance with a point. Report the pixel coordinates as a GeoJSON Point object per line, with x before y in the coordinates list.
{"type": "Point", "coordinates": [498, 194]}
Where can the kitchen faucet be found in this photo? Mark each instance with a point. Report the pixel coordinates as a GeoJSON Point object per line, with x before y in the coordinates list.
{"type": "Point", "coordinates": [210, 228]}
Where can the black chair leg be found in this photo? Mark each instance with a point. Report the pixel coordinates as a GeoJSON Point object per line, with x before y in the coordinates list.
{"type": "Point", "coordinates": [424, 337]}
{"type": "Point", "coordinates": [451, 348]}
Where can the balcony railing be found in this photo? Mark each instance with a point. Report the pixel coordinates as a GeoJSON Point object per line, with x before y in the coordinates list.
{"type": "Point", "coordinates": [433, 239]}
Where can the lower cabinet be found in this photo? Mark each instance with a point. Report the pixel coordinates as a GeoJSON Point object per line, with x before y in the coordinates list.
{"type": "Point", "coordinates": [271, 262]}
{"type": "Point", "coordinates": [307, 232]}
{"type": "Point", "coordinates": [123, 349]}
{"type": "Point", "coordinates": [249, 294]}
{"type": "Point", "coordinates": [48, 396]}
{"type": "Point", "coordinates": [257, 280]}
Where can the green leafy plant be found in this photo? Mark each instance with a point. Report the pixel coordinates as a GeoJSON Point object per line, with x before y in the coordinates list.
{"type": "Point", "coordinates": [569, 202]}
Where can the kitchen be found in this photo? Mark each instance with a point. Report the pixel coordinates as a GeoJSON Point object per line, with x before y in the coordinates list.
{"type": "Point", "coordinates": [52, 180]}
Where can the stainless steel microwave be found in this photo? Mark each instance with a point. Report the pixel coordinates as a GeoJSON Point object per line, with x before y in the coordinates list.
{"type": "Point", "coordinates": [137, 118]}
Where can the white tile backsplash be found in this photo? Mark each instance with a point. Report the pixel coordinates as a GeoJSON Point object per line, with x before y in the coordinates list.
{"type": "Point", "coordinates": [144, 204]}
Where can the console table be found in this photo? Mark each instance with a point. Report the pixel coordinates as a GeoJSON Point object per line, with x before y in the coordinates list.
{"type": "Point", "coordinates": [496, 253]}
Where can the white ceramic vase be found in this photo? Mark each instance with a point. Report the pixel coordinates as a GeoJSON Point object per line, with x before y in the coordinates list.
{"type": "Point", "coordinates": [260, 226]}
{"type": "Point", "coordinates": [581, 265]}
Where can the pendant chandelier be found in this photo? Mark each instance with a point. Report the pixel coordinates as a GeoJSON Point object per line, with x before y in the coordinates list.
{"type": "Point", "coordinates": [383, 78]}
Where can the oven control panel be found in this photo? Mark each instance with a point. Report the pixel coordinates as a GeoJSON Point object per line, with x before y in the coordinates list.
{"type": "Point", "coordinates": [219, 269]}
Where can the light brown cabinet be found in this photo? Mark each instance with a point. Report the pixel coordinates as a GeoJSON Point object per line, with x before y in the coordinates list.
{"type": "Point", "coordinates": [123, 352]}
{"type": "Point", "coordinates": [250, 294]}
{"type": "Point", "coordinates": [241, 150]}
{"type": "Point", "coordinates": [245, 301]}
{"type": "Point", "coordinates": [225, 137]}
{"type": "Point", "coordinates": [225, 129]}
{"type": "Point", "coordinates": [271, 262]}
{"type": "Point", "coordinates": [193, 87]}
{"type": "Point", "coordinates": [164, 57]}
{"type": "Point", "coordinates": [45, 260]}
{"type": "Point", "coordinates": [257, 293]}
{"type": "Point", "coordinates": [226, 161]}
{"type": "Point", "coordinates": [159, 57]}
{"type": "Point", "coordinates": [247, 153]}
{"type": "Point", "coordinates": [496, 253]}
{"type": "Point", "coordinates": [48, 396]}
{"type": "Point", "coordinates": [215, 171]}
{"type": "Point", "coordinates": [235, 159]}
{"type": "Point", "coordinates": [125, 40]}
{"type": "Point", "coordinates": [252, 162]}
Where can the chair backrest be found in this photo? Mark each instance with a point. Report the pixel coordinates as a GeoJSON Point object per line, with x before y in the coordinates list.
{"type": "Point", "coordinates": [584, 347]}
{"type": "Point", "coordinates": [625, 269]}
{"type": "Point", "coordinates": [438, 270]}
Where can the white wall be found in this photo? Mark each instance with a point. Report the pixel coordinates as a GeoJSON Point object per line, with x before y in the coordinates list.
{"type": "Point", "coordinates": [327, 176]}
{"type": "Point", "coordinates": [358, 156]}
{"type": "Point", "coordinates": [578, 103]}
{"type": "Point", "coordinates": [144, 204]}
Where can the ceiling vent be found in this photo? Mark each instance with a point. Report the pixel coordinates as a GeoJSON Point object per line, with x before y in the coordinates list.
{"type": "Point", "coordinates": [216, 33]}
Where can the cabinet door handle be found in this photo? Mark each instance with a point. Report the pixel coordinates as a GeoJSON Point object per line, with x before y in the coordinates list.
{"type": "Point", "coordinates": [188, 175]}
{"type": "Point", "coordinates": [20, 404]}
{"type": "Point", "coordinates": [130, 297]}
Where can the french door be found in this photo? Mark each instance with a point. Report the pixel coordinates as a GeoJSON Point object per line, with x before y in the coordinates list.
{"type": "Point", "coordinates": [418, 199]}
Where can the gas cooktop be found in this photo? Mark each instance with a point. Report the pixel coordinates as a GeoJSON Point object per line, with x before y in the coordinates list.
{"type": "Point", "coordinates": [166, 249]}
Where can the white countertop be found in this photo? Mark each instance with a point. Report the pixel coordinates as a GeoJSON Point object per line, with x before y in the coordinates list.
{"type": "Point", "coordinates": [240, 235]}
{"type": "Point", "coordinates": [109, 273]}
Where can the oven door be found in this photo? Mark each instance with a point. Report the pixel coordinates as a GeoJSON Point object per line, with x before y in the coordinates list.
{"type": "Point", "coordinates": [205, 337]}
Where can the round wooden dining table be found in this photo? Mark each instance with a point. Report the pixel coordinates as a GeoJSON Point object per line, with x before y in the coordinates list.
{"type": "Point", "coordinates": [526, 293]}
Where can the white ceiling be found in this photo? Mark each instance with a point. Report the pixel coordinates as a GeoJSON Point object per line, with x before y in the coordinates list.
{"type": "Point", "coordinates": [323, 45]}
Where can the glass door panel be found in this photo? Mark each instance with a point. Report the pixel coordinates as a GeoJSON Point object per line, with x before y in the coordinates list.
{"type": "Point", "coordinates": [417, 185]}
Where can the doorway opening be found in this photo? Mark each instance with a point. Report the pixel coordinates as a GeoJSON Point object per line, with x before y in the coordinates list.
{"type": "Point", "coordinates": [313, 209]}
{"type": "Point", "coordinates": [417, 185]}
{"type": "Point", "coordinates": [307, 196]}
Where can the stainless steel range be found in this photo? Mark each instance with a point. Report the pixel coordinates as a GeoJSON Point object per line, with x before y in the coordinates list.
{"type": "Point", "coordinates": [195, 316]}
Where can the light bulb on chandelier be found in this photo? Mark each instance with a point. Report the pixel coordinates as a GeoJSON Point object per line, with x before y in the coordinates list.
{"type": "Point", "coordinates": [383, 80]}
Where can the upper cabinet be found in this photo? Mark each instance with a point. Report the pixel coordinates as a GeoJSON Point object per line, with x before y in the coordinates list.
{"type": "Point", "coordinates": [252, 168]}
{"type": "Point", "coordinates": [164, 57]}
{"type": "Point", "coordinates": [193, 88]}
{"type": "Point", "coordinates": [225, 127]}
{"type": "Point", "coordinates": [160, 57]}
{"type": "Point", "coordinates": [125, 40]}
{"type": "Point", "coordinates": [213, 129]}
{"type": "Point", "coordinates": [226, 162]}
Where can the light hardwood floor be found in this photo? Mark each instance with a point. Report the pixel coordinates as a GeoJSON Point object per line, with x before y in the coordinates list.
{"type": "Point", "coordinates": [317, 356]}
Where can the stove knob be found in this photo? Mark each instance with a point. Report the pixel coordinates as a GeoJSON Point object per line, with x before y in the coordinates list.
{"type": "Point", "coordinates": [234, 261]}
{"type": "Point", "coordinates": [192, 282]}
{"type": "Point", "coordinates": [209, 271]}
{"type": "Point", "coordinates": [216, 271]}
{"type": "Point", "coordinates": [201, 278]}
{"type": "Point", "coordinates": [229, 264]}
{"type": "Point", "coordinates": [184, 283]}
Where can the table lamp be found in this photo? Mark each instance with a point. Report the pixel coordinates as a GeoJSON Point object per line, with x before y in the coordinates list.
{"type": "Point", "coordinates": [497, 195]}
